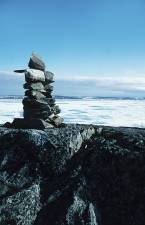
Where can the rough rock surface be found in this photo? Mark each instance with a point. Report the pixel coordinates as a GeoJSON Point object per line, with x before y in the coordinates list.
{"type": "Point", "coordinates": [74, 175]}
{"type": "Point", "coordinates": [36, 62]}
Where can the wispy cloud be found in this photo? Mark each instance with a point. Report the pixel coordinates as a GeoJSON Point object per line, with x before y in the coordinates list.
{"type": "Point", "coordinates": [98, 85]}
{"type": "Point", "coordinates": [82, 85]}
{"type": "Point", "coordinates": [116, 82]}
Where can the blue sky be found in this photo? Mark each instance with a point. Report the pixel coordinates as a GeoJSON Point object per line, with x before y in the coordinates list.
{"type": "Point", "coordinates": [96, 46]}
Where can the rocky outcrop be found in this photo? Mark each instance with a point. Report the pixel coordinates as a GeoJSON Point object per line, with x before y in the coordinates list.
{"type": "Point", "coordinates": [74, 175]}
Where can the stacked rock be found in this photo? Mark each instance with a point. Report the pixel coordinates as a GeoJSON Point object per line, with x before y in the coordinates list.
{"type": "Point", "coordinates": [39, 105]}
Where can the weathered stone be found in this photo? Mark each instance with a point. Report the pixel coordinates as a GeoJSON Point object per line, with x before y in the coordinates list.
{"type": "Point", "coordinates": [38, 86]}
{"type": "Point", "coordinates": [25, 163]}
{"type": "Point", "coordinates": [34, 94]}
{"type": "Point", "coordinates": [48, 87]}
{"type": "Point", "coordinates": [41, 108]}
{"type": "Point", "coordinates": [50, 101]}
{"type": "Point", "coordinates": [48, 77]}
{"type": "Point", "coordinates": [57, 120]}
{"type": "Point", "coordinates": [50, 118]}
{"type": "Point", "coordinates": [95, 173]}
{"type": "Point", "coordinates": [36, 62]}
{"type": "Point", "coordinates": [35, 104]}
{"type": "Point", "coordinates": [55, 109]}
{"type": "Point", "coordinates": [29, 114]}
{"type": "Point", "coordinates": [21, 207]}
{"type": "Point", "coordinates": [19, 71]}
{"type": "Point", "coordinates": [56, 146]}
{"type": "Point", "coordinates": [48, 94]}
{"type": "Point", "coordinates": [33, 123]}
{"type": "Point", "coordinates": [33, 75]}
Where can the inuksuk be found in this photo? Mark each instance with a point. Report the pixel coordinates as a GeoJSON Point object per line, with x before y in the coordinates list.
{"type": "Point", "coordinates": [40, 110]}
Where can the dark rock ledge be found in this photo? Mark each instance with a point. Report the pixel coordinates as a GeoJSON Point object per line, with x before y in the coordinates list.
{"type": "Point", "coordinates": [75, 175]}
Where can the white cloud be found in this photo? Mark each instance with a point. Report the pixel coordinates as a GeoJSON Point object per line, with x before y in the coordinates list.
{"type": "Point", "coordinates": [100, 85]}
{"type": "Point", "coordinates": [137, 83]}
{"type": "Point", "coordinates": [81, 85]}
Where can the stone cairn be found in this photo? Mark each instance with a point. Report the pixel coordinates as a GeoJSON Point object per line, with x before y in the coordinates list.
{"type": "Point", "coordinates": [40, 110]}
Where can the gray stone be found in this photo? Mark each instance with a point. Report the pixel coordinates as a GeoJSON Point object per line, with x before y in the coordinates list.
{"type": "Point", "coordinates": [48, 94]}
{"type": "Point", "coordinates": [48, 88]}
{"type": "Point", "coordinates": [41, 109]}
{"type": "Point", "coordinates": [33, 123]}
{"type": "Point", "coordinates": [49, 119]}
{"type": "Point", "coordinates": [33, 75]}
{"type": "Point", "coordinates": [73, 175]}
{"type": "Point", "coordinates": [55, 109]}
{"type": "Point", "coordinates": [38, 86]}
{"type": "Point", "coordinates": [36, 62]}
{"type": "Point", "coordinates": [48, 76]}
{"type": "Point", "coordinates": [80, 210]}
{"type": "Point", "coordinates": [25, 165]}
{"type": "Point", "coordinates": [21, 207]}
{"type": "Point", "coordinates": [38, 114]}
{"type": "Point", "coordinates": [34, 94]}
{"type": "Point", "coordinates": [50, 101]}
{"type": "Point", "coordinates": [34, 103]}
{"type": "Point", "coordinates": [95, 173]}
{"type": "Point", "coordinates": [57, 120]}
{"type": "Point", "coordinates": [56, 146]}
{"type": "Point", "coordinates": [19, 71]}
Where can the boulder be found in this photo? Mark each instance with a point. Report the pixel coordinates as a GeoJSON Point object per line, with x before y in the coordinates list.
{"type": "Point", "coordinates": [49, 77]}
{"type": "Point", "coordinates": [48, 88]}
{"type": "Point", "coordinates": [31, 123]}
{"type": "Point", "coordinates": [55, 109]}
{"type": "Point", "coordinates": [48, 94]}
{"type": "Point", "coordinates": [38, 86]}
{"type": "Point", "coordinates": [33, 75]}
{"type": "Point", "coordinates": [73, 175]}
{"type": "Point", "coordinates": [20, 207]}
{"type": "Point", "coordinates": [35, 104]}
{"type": "Point", "coordinates": [36, 62]}
{"type": "Point", "coordinates": [50, 101]}
{"type": "Point", "coordinates": [28, 166]}
{"type": "Point", "coordinates": [57, 120]}
{"type": "Point", "coordinates": [29, 114]}
{"type": "Point", "coordinates": [34, 94]}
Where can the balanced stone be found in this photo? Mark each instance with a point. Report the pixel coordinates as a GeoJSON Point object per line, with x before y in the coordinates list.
{"type": "Point", "coordinates": [47, 94]}
{"type": "Point", "coordinates": [34, 86]}
{"type": "Point", "coordinates": [34, 103]}
{"type": "Point", "coordinates": [36, 114]}
{"type": "Point", "coordinates": [57, 120]}
{"type": "Point", "coordinates": [35, 94]}
{"type": "Point", "coordinates": [49, 77]}
{"type": "Point", "coordinates": [51, 101]}
{"type": "Point", "coordinates": [31, 123]}
{"type": "Point", "coordinates": [48, 87]}
{"type": "Point", "coordinates": [40, 110]}
{"type": "Point", "coordinates": [36, 62]}
{"type": "Point", "coordinates": [55, 109]}
{"type": "Point", "coordinates": [33, 75]}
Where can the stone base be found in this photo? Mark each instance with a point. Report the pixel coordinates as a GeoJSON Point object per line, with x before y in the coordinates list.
{"type": "Point", "coordinates": [30, 124]}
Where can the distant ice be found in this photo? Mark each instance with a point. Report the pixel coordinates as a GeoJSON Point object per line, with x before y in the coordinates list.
{"type": "Point", "coordinates": [9, 109]}
{"type": "Point", "coordinates": [109, 112]}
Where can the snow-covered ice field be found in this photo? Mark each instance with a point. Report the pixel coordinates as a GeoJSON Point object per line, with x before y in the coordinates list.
{"type": "Point", "coordinates": [88, 111]}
